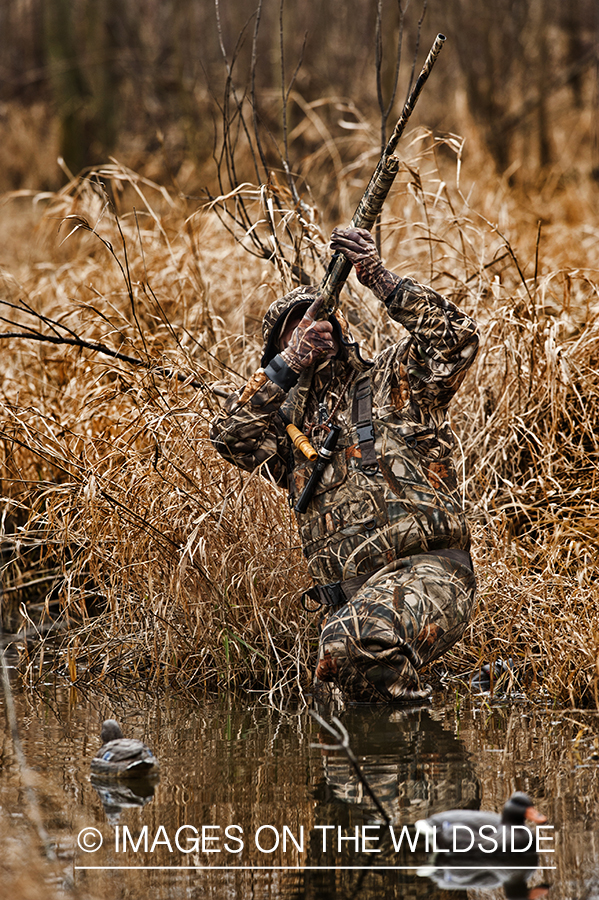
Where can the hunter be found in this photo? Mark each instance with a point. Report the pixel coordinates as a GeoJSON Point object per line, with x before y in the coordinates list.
{"type": "Point", "coordinates": [384, 533]}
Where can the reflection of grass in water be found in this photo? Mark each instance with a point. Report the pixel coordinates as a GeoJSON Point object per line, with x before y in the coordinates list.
{"type": "Point", "coordinates": [168, 566]}
{"type": "Point", "coordinates": [22, 874]}
{"type": "Point", "coordinates": [25, 872]}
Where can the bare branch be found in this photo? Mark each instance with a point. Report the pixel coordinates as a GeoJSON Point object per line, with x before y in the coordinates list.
{"type": "Point", "coordinates": [76, 340]}
{"type": "Point", "coordinates": [285, 92]}
{"type": "Point", "coordinates": [386, 107]}
{"type": "Point", "coordinates": [418, 33]}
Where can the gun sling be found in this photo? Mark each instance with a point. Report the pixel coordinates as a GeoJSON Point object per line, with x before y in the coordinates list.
{"type": "Point", "coordinates": [362, 422]}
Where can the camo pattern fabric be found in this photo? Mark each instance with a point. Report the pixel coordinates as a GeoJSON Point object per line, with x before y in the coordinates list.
{"type": "Point", "coordinates": [357, 522]}
{"type": "Point", "coordinates": [432, 771]}
{"type": "Point", "coordinates": [404, 617]}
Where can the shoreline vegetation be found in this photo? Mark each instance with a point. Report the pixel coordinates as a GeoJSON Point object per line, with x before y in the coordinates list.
{"type": "Point", "coordinates": [133, 555]}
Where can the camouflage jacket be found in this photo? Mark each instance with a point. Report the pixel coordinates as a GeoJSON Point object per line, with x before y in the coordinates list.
{"type": "Point", "coordinates": [358, 522]}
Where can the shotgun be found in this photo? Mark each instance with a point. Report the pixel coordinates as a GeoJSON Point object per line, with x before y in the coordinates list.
{"type": "Point", "coordinates": [375, 194]}
{"type": "Point", "coordinates": [339, 267]}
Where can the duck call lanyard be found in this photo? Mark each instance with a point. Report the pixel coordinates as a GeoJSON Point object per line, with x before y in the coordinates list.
{"type": "Point", "coordinates": [325, 452]}
{"type": "Point", "coordinates": [326, 424]}
{"type": "Point", "coordinates": [362, 421]}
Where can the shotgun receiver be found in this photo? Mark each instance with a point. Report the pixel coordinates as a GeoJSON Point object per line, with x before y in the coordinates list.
{"type": "Point", "coordinates": [375, 194]}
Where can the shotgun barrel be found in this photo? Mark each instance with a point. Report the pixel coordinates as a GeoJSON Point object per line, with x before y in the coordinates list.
{"type": "Point", "coordinates": [375, 194]}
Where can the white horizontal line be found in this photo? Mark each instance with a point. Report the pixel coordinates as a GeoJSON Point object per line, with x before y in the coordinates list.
{"type": "Point", "coordinates": [330, 868]}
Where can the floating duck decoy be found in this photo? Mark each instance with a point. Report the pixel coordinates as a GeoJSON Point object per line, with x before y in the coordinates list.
{"type": "Point", "coordinates": [460, 829]}
{"type": "Point", "coordinates": [121, 757]}
{"type": "Point", "coordinates": [488, 677]}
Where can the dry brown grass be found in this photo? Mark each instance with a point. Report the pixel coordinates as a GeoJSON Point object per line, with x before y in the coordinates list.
{"type": "Point", "coordinates": [164, 565]}
{"type": "Point", "coordinates": [123, 502]}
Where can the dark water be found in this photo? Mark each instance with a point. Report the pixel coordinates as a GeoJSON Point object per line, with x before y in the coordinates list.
{"type": "Point", "coordinates": [247, 806]}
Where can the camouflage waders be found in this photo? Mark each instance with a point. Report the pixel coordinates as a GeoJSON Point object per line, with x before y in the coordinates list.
{"type": "Point", "coordinates": [405, 616]}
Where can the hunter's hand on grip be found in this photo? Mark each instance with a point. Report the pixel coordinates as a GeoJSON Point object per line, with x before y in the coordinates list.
{"type": "Point", "coordinates": [311, 341]}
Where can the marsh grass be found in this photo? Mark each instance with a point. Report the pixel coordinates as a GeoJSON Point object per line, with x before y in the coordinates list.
{"type": "Point", "coordinates": [134, 556]}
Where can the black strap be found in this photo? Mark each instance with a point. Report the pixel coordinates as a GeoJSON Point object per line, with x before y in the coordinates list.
{"type": "Point", "coordinates": [336, 594]}
{"type": "Point", "coordinates": [362, 421]}
{"type": "Point", "coordinates": [460, 556]}
{"type": "Point", "coordinates": [412, 438]}
{"type": "Point", "coordinates": [323, 595]}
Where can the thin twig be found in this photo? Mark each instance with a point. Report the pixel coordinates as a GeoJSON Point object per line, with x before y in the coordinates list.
{"type": "Point", "coordinates": [285, 92]}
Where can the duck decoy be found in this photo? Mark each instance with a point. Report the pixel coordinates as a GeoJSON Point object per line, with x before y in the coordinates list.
{"type": "Point", "coordinates": [460, 829]}
{"type": "Point", "coordinates": [120, 757]}
{"type": "Point", "coordinates": [488, 676]}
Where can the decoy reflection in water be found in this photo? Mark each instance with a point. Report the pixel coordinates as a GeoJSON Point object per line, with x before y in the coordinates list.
{"type": "Point", "coordinates": [471, 830]}
{"type": "Point", "coordinates": [412, 761]}
{"type": "Point", "coordinates": [119, 795]}
{"type": "Point", "coordinates": [122, 758]}
{"type": "Point", "coordinates": [511, 873]}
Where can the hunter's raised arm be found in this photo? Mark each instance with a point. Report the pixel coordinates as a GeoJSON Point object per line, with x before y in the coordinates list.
{"type": "Point", "coordinates": [444, 339]}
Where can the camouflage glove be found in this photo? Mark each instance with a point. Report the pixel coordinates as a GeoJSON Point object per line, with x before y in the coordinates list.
{"type": "Point", "coordinates": [358, 246]}
{"type": "Point", "coordinates": [311, 341]}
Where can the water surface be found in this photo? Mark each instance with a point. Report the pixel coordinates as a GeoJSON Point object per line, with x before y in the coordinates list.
{"type": "Point", "coordinates": [251, 803]}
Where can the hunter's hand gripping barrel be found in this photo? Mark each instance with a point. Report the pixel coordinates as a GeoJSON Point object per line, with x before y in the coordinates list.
{"type": "Point", "coordinates": [375, 194]}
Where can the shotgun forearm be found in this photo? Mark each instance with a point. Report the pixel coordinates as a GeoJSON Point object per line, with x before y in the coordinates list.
{"type": "Point", "coordinates": [364, 217]}
{"type": "Point", "coordinates": [375, 194]}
